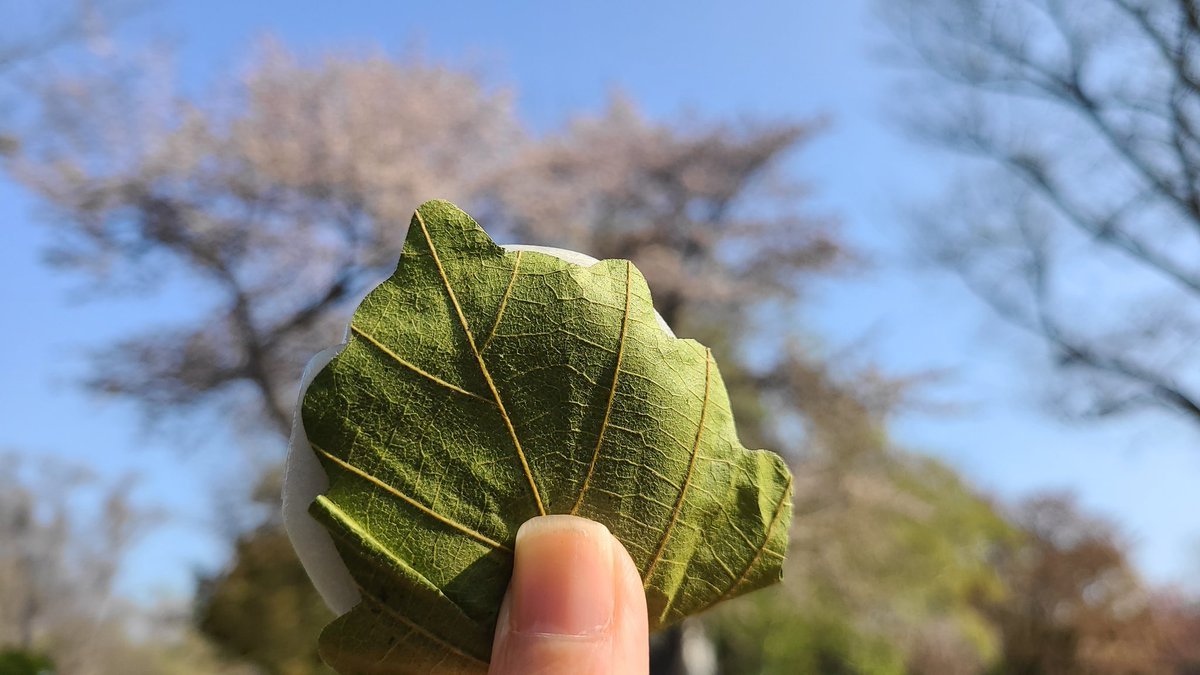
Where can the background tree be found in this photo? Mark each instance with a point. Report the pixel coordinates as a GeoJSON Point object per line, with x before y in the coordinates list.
{"type": "Point", "coordinates": [890, 551]}
{"type": "Point", "coordinates": [55, 580]}
{"type": "Point", "coordinates": [280, 198]}
{"type": "Point", "coordinates": [1079, 218]}
{"type": "Point", "coordinates": [704, 209]}
{"type": "Point", "coordinates": [261, 609]}
{"type": "Point", "coordinates": [35, 33]}
{"type": "Point", "coordinates": [57, 568]}
{"type": "Point", "coordinates": [1178, 621]}
{"type": "Point", "coordinates": [1074, 603]}
{"type": "Point", "coordinates": [21, 662]}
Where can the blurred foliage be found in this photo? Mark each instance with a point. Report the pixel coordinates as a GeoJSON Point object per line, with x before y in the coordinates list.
{"type": "Point", "coordinates": [57, 565]}
{"type": "Point", "coordinates": [64, 535]}
{"type": "Point", "coordinates": [263, 609]}
{"type": "Point", "coordinates": [1178, 621]}
{"type": "Point", "coordinates": [20, 662]}
{"type": "Point", "coordinates": [1074, 604]}
{"type": "Point", "coordinates": [769, 634]}
{"type": "Point", "coordinates": [891, 554]}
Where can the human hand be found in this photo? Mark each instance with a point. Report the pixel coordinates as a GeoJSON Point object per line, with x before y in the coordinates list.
{"type": "Point", "coordinates": [575, 604]}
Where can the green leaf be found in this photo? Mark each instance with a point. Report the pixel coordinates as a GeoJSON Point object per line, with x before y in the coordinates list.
{"type": "Point", "coordinates": [481, 388]}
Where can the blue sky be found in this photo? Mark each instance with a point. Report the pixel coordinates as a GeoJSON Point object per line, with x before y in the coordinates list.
{"type": "Point", "coordinates": [775, 59]}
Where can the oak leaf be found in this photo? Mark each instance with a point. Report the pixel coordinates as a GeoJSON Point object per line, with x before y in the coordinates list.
{"type": "Point", "coordinates": [481, 387]}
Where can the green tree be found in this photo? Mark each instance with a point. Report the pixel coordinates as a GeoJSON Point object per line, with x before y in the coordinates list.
{"type": "Point", "coordinates": [245, 609]}
{"type": "Point", "coordinates": [891, 552]}
{"type": "Point", "coordinates": [21, 662]}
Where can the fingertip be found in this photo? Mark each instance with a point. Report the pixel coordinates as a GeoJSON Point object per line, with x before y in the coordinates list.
{"type": "Point", "coordinates": [631, 637]}
{"type": "Point", "coordinates": [561, 613]}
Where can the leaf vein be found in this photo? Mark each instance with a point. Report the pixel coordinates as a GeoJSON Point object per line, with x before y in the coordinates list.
{"type": "Point", "coordinates": [612, 392]}
{"type": "Point", "coordinates": [416, 627]}
{"type": "Point", "coordinates": [763, 547]}
{"type": "Point", "coordinates": [483, 369]}
{"type": "Point", "coordinates": [687, 479]}
{"type": "Point", "coordinates": [409, 500]}
{"type": "Point", "coordinates": [427, 375]}
{"type": "Point", "coordinates": [503, 302]}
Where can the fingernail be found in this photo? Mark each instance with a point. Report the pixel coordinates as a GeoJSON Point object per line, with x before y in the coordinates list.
{"type": "Point", "coordinates": [562, 577]}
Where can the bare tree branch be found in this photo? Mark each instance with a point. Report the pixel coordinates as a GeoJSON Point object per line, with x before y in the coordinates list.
{"type": "Point", "coordinates": [1092, 109]}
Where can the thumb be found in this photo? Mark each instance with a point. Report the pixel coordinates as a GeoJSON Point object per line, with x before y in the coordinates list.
{"type": "Point", "coordinates": [575, 604]}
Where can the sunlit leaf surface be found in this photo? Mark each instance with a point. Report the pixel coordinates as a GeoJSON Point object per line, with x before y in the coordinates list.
{"type": "Point", "coordinates": [481, 388]}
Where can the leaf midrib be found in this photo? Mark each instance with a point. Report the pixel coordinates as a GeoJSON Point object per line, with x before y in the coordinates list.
{"type": "Point", "coordinates": [483, 369]}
